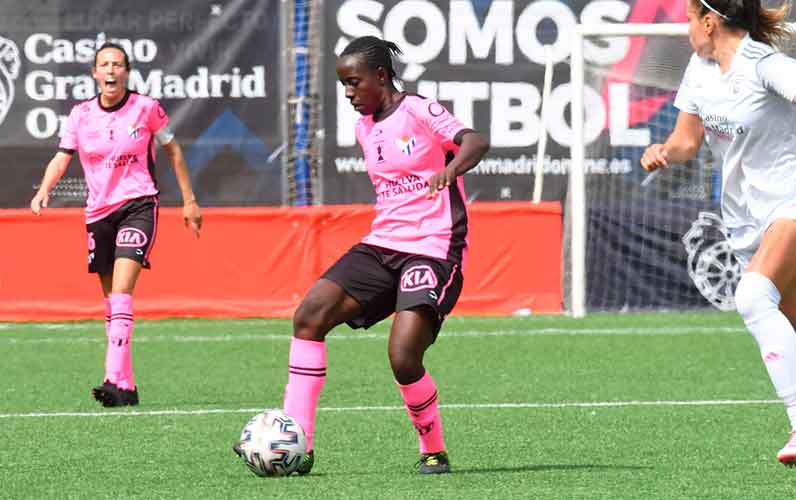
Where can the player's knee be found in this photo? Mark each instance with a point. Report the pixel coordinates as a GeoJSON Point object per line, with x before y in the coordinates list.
{"type": "Point", "coordinates": [406, 367]}
{"type": "Point", "coordinates": [755, 295]}
{"type": "Point", "coordinates": [311, 320]}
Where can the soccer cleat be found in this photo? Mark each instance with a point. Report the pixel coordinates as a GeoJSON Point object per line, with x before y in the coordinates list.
{"type": "Point", "coordinates": [433, 463]}
{"type": "Point", "coordinates": [787, 455]}
{"type": "Point", "coordinates": [306, 464]}
{"type": "Point", "coordinates": [110, 395]}
{"type": "Point", "coordinates": [238, 449]}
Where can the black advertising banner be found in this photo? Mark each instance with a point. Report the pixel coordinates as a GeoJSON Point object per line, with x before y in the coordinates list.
{"type": "Point", "coordinates": [485, 61]}
{"type": "Point", "coordinates": [213, 65]}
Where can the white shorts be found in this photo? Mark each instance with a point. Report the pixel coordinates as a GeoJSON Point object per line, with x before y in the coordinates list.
{"type": "Point", "coordinates": [746, 239]}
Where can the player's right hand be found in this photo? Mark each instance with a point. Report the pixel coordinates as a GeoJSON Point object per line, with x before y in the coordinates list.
{"type": "Point", "coordinates": [38, 202]}
{"type": "Point", "coordinates": [654, 157]}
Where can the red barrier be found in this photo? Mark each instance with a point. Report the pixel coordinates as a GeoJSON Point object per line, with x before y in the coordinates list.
{"type": "Point", "coordinates": [261, 261]}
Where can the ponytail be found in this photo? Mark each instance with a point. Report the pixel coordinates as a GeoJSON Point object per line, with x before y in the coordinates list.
{"type": "Point", "coordinates": [763, 24]}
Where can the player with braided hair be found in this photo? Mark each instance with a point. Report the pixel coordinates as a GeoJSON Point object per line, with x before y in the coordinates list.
{"type": "Point", "coordinates": [410, 263]}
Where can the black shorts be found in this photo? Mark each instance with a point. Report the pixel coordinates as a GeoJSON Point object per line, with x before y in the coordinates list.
{"type": "Point", "coordinates": [128, 232]}
{"type": "Point", "coordinates": [385, 281]}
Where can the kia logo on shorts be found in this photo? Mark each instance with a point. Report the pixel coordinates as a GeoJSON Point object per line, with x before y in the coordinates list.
{"type": "Point", "coordinates": [131, 237]}
{"type": "Point", "coordinates": [418, 278]}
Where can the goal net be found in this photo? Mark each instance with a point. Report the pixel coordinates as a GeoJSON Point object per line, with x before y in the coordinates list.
{"type": "Point", "coordinates": [635, 241]}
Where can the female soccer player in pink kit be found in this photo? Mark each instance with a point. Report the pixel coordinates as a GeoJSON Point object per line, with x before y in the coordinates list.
{"type": "Point", "coordinates": [114, 134]}
{"type": "Point", "coordinates": [411, 261]}
{"type": "Point", "coordinates": [739, 95]}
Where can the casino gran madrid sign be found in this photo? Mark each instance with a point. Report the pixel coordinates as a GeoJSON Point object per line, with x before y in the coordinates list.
{"type": "Point", "coordinates": [43, 85]}
{"type": "Point", "coordinates": [214, 67]}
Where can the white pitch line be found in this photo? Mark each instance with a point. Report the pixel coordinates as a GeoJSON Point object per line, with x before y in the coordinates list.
{"type": "Point", "coordinates": [531, 332]}
{"type": "Point", "coordinates": [453, 406]}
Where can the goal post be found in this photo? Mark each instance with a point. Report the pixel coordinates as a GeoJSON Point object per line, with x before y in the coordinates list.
{"type": "Point", "coordinates": [632, 240]}
{"type": "Point", "coordinates": [576, 213]}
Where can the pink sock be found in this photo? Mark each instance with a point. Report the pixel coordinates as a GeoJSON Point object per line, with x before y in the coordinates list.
{"type": "Point", "coordinates": [306, 375]}
{"type": "Point", "coordinates": [118, 358]}
{"type": "Point", "coordinates": [107, 316]}
{"type": "Point", "coordinates": [420, 399]}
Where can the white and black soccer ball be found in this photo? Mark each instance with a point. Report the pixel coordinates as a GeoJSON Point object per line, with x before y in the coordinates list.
{"type": "Point", "coordinates": [272, 444]}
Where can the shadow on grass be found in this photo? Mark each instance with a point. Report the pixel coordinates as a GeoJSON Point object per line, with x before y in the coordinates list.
{"type": "Point", "coordinates": [492, 470]}
{"type": "Point", "coordinates": [550, 467]}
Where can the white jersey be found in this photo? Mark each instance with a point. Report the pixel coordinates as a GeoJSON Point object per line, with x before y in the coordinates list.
{"type": "Point", "coordinates": [750, 126]}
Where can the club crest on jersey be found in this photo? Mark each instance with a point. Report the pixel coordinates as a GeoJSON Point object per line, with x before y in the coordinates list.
{"type": "Point", "coordinates": [736, 84]}
{"type": "Point", "coordinates": [406, 144]}
{"type": "Point", "coordinates": [133, 130]}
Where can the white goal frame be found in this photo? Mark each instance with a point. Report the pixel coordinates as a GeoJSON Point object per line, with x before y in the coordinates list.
{"type": "Point", "coordinates": [577, 176]}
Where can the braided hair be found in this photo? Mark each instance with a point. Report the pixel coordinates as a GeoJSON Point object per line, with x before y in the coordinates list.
{"type": "Point", "coordinates": [375, 52]}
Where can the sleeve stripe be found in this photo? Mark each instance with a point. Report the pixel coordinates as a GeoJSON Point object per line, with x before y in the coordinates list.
{"type": "Point", "coordinates": [67, 151]}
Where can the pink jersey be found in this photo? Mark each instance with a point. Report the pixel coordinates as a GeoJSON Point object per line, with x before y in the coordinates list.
{"type": "Point", "coordinates": [117, 150]}
{"type": "Point", "coordinates": [402, 151]}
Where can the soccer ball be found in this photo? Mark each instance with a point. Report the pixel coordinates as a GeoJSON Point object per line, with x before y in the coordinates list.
{"type": "Point", "coordinates": [272, 444]}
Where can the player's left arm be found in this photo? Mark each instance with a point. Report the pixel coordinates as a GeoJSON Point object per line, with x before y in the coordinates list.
{"type": "Point", "coordinates": [158, 122]}
{"type": "Point", "coordinates": [777, 73]}
{"type": "Point", "coordinates": [472, 147]}
{"type": "Point", "coordinates": [191, 213]}
{"type": "Point", "coordinates": [451, 135]}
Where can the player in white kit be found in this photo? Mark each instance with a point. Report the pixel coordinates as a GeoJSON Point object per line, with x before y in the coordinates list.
{"type": "Point", "coordinates": [738, 95]}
